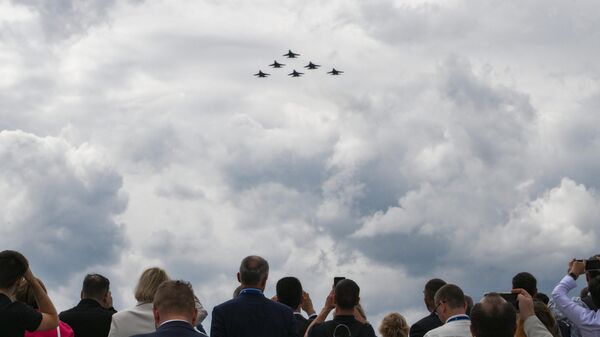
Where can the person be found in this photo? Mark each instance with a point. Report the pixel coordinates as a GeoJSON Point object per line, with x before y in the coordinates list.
{"type": "Point", "coordinates": [140, 319]}
{"type": "Point", "coordinates": [289, 292]}
{"type": "Point", "coordinates": [451, 308]}
{"type": "Point", "coordinates": [393, 325]}
{"type": "Point", "coordinates": [431, 321]}
{"type": "Point", "coordinates": [174, 310]}
{"type": "Point", "coordinates": [544, 315]}
{"type": "Point", "coordinates": [532, 324]}
{"type": "Point", "coordinates": [344, 298]}
{"type": "Point", "coordinates": [493, 317]}
{"type": "Point", "coordinates": [91, 317]}
{"type": "Point", "coordinates": [568, 329]}
{"type": "Point", "coordinates": [251, 314]}
{"type": "Point", "coordinates": [17, 317]}
{"type": "Point", "coordinates": [527, 281]}
{"type": "Point", "coordinates": [586, 319]}
{"type": "Point", "coordinates": [541, 297]}
{"type": "Point", "coordinates": [25, 293]}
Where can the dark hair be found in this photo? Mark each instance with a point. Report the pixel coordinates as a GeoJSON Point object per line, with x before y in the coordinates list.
{"type": "Point", "coordinates": [13, 266]}
{"type": "Point", "coordinates": [175, 297]}
{"type": "Point", "coordinates": [594, 289]}
{"type": "Point", "coordinates": [253, 270]}
{"type": "Point", "coordinates": [432, 286]}
{"type": "Point", "coordinates": [525, 280]}
{"type": "Point", "coordinates": [593, 273]}
{"type": "Point", "coordinates": [452, 295]}
{"type": "Point", "coordinates": [26, 294]}
{"type": "Point", "coordinates": [347, 294]}
{"type": "Point", "coordinates": [469, 301]}
{"type": "Point", "coordinates": [541, 297]}
{"type": "Point", "coordinates": [95, 286]}
{"type": "Point", "coordinates": [493, 317]}
{"type": "Point", "coordinates": [289, 291]}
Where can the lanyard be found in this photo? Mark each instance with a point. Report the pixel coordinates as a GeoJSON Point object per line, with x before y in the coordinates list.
{"type": "Point", "coordinates": [459, 318]}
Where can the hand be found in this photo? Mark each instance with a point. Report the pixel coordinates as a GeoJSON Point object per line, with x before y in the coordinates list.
{"type": "Point", "coordinates": [330, 301]}
{"type": "Point", "coordinates": [525, 303]}
{"type": "Point", "coordinates": [307, 304]}
{"type": "Point", "coordinates": [29, 276]}
{"type": "Point", "coordinates": [108, 300]}
{"type": "Point", "coordinates": [577, 267]}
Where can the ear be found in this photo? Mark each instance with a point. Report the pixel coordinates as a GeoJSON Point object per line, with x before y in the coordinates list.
{"type": "Point", "coordinates": [357, 301]}
{"type": "Point", "coordinates": [156, 317]}
{"type": "Point", "coordinates": [81, 295]}
{"type": "Point", "coordinates": [195, 317]}
{"type": "Point", "coordinates": [239, 278]}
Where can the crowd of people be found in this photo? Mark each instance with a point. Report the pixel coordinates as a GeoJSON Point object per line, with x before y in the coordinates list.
{"type": "Point", "coordinates": [169, 308]}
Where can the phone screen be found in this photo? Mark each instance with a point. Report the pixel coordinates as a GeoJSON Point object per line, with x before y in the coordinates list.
{"type": "Point", "coordinates": [510, 298]}
{"type": "Point", "coordinates": [592, 264]}
{"type": "Point", "coordinates": [337, 279]}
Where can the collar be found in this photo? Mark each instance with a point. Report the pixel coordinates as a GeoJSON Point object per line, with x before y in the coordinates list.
{"type": "Point", "coordinates": [251, 291]}
{"type": "Point", "coordinates": [89, 302]}
{"type": "Point", "coordinates": [175, 320]}
{"type": "Point", "coordinates": [461, 317]}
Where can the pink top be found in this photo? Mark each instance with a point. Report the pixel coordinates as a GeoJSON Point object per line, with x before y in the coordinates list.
{"type": "Point", "coordinates": [65, 331]}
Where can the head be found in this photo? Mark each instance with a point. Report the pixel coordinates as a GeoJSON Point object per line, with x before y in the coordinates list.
{"type": "Point", "coordinates": [254, 271]}
{"type": "Point", "coordinates": [493, 317]}
{"type": "Point", "coordinates": [449, 301]}
{"type": "Point", "coordinates": [289, 292]}
{"type": "Point", "coordinates": [13, 266]}
{"type": "Point", "coordinates": [347, 294]}
{"type": "Point", "coordinates": [26, 294]}
{"type": "Point", "coordinates": [394, 325]}
{"type": "Point", "coordinates": [541, 297]}
{"type": "Point", "coordinates": [469, 301]}
{"type": "Point", "coordinates": [591, 274]}
{"type": "Point", "coordinates": [237, 291]}
{"type": "Point", "coordinates": [525, 280]}
{"type": "Point", "coordinates": [148, 283]}
{"type": "Point", "coordinates": [174, 300]}
{"type": "Point", "coordinates": [594, 289]}
{"type": "Point", "coordinates": [96, 287]}
{"type": "Point", "coordinates": [546, 317]}
{"type": "Point", "coordinates": [431, 287]}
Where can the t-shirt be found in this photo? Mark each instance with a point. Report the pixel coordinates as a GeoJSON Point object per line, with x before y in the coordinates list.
{"type": "Point", "coordinates": [337, 327]}
{"type": "Point", "coordinates": [16, 317]}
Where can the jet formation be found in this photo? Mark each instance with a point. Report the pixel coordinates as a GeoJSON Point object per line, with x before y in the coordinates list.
{"type": "Point", "coordinates": [294, 73]}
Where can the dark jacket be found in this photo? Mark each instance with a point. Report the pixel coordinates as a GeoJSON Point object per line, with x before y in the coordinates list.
{"type": "Point", "coordinates": [252, 315]}
{"type": "Point", "coordinates": [342, 326]}
{"type": "Point", "coordinates": [174, 329]}
{"type": "Point", "coordinates": [302, 323]}
{"type": "Point", "coordinates": [88, 318]}
{"type": "Point", "coordinates": [427, 323]}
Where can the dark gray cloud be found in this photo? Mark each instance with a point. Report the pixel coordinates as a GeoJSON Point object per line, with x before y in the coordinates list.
{"type": "Point", "coordinates": [59, 205]}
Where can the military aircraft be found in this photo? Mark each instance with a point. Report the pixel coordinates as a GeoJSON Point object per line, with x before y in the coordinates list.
{"type": "Point", "coordinates": [295, 74]}
{"type": "Point", "coordinates": [291, 55]}
{"type": "Point", "coordinates": [261, 74]}
{"type": "Point", "coordinates": [276, 64]}
{"type": "Point", "coordinates": [335, 72]}
{"type": "Point", "coordinates": [312, 66]}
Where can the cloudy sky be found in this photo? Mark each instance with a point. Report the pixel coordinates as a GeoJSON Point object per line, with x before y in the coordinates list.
{"type": "Point", "coordinates": [462, 142]}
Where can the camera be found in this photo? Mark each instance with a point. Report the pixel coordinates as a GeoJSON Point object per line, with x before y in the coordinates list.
{"type": "Point", "coordinates": [591, 264]}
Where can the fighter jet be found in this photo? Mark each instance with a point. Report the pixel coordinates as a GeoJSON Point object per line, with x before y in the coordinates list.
{"type": "Point", "coordinates": [335, 72]}
{"type": "Point", "coordinates": [276, 64]}
{"type": "Point", "coordinates": [291, 55]}
{"type": "Point", "coordinates": [295, 74]}
{"type": "Point", "coordinates": [312, 66]}
{"type": "Point", "coordinates": [261, 74]}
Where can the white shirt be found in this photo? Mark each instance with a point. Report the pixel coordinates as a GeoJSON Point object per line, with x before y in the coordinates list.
{"type": "Point", "coordinates": [455, 326]}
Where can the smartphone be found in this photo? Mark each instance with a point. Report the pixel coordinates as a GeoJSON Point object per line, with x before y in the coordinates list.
{"type": "Point", "coordinates": [510, 298]}
{"type": "Point", "coordinates": [337, 279]}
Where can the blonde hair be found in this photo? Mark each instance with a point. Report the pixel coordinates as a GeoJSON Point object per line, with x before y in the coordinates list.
{"type": "Point", "coordinates": [393, 325]}
{"type": "Point", "coordinates": [149, 281]}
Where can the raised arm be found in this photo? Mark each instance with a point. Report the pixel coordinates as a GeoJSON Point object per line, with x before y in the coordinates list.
{"type": "Point", "coordinates": [49, 315]}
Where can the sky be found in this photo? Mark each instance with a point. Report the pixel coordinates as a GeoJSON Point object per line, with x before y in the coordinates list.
{"type": "Point", "coordinates": [461, 142]}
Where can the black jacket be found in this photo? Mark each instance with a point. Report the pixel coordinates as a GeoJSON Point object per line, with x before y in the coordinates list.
{"type": "Point", "coordinates": [88, 319]}
{"type": "Point", "coordinates": [427, 323]}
